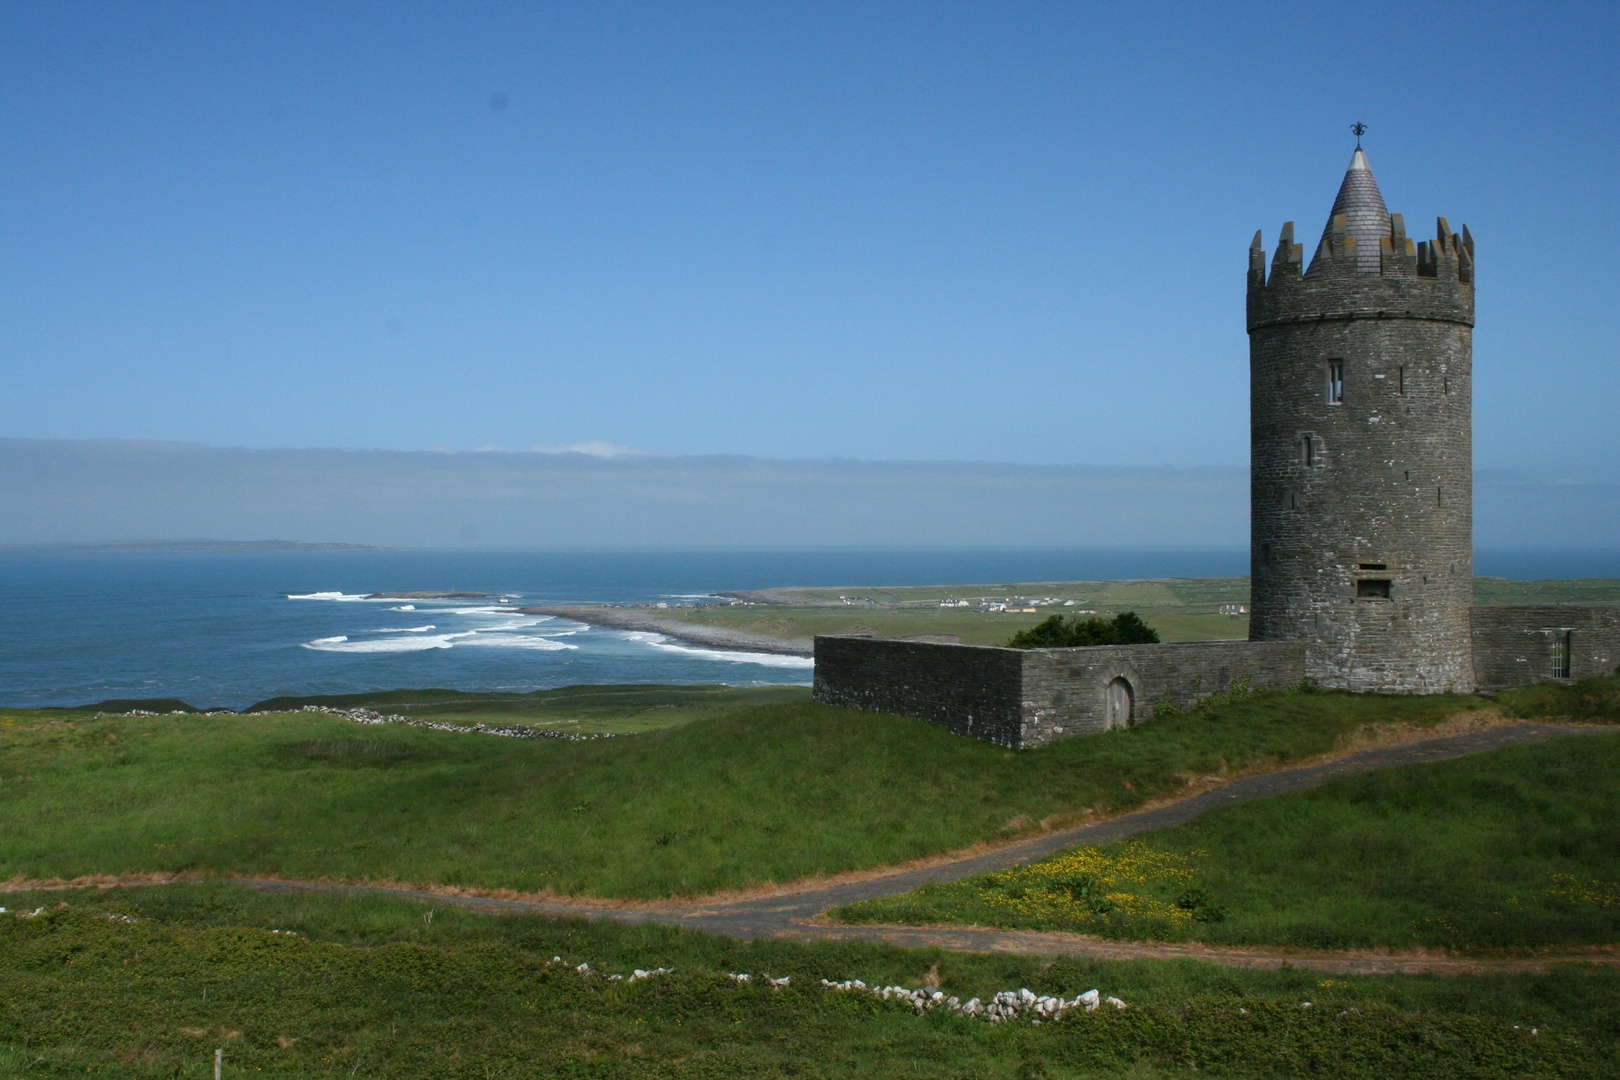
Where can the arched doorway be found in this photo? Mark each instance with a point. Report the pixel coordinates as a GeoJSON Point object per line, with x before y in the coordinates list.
{"type": "Point", "coordinates": [1118, 700]}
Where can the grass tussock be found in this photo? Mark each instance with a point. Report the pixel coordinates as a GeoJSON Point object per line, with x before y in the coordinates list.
{"type": "Point", "coordinates": [1510, 849]}
{"type": "Point", "coordinates": [147, 983]}
{"type": "Point", "coordinates": [731, 798]}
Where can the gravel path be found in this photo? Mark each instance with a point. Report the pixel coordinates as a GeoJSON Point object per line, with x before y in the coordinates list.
{"type": "Point", "coordinates": [795, 914]}
{"type": "Point", "coordinates": [714, 637]}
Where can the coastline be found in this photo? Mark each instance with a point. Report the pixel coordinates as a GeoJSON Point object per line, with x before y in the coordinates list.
{"type": "Point", "coordinates": [714, 637]}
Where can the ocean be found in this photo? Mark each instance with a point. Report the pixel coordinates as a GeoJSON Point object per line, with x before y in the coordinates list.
{"type": "Point", "coordinates": [231, 628]}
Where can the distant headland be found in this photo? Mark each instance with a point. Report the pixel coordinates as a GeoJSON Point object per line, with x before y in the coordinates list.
{"type": "Point", "coordinates": [140, 546]}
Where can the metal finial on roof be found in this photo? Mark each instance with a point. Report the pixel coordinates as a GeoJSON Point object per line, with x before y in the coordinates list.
{"type": "Point", "coordinates": [1358, 129]}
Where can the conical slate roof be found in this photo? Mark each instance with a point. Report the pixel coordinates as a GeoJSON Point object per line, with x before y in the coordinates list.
{"type": "Point", "coordinates": [1366, 217]}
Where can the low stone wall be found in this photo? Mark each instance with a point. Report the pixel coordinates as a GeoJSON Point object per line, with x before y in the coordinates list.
{"type": "Point", "coordinates": [1064, 690]}
{"type": "Point", "coordinates": [1515, 644]}
{"type": "Point", "coordinates": [970, 689]}
{"type": "Point", "coordinates": [1028, 697]}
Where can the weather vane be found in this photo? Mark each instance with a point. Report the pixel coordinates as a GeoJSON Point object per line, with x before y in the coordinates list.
{"type": "Point", "coordinates": [1358, 129]}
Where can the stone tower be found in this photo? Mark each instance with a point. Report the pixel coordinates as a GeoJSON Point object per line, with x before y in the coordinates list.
{"type": "Point", "coordinates": [1361, 474]}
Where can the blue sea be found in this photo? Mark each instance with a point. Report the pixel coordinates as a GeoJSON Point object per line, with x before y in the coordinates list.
{"type": "Point", "coordinates": [232, 628]}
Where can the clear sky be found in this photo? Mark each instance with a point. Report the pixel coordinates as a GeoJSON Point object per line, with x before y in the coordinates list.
{"type": "Point", "coordinates": [998, 231]}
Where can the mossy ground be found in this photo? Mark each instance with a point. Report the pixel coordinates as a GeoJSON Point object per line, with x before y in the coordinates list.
{"type": "Point", "coordinates": [736, 797]}
{"type": "Point", "coordinates": [368, 986]}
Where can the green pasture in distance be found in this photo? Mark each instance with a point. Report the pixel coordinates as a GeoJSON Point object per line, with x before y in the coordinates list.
{"type": "Point", "coordinates": [627, 709]}
{"type": "Point", "coordinates": [968, 627]}
{"type": "Point", "coordinates": [1509, 849]}
{"type": "Point", "coordinates": [617, 709]}
{"type": "Point", "coordinates": [1489, 590]}
{"type": "Point", "coordinates": [1188, 592]}
{"type": "Point", "coordinates": [1154, 593]}
{"type": "Point", "coordinates": [365, 985]}
{"type": "Point", "coordinates": [1180, 609]}
{"type": "Point", "coordinates": [753, 795]}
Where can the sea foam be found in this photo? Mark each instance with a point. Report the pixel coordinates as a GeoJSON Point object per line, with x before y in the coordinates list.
{"type": "Point", "coordinates": [778, 660]}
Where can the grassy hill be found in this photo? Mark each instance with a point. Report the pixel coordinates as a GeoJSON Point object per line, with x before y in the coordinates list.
{"type": "Point", "coordinates": [147, 983]}
{"type": "Point", "coordinates": [1514, 848]}
{"type": "Point", "coordinates": [751, 786]}
{"type": "Point", "coordinates": [741, 794]}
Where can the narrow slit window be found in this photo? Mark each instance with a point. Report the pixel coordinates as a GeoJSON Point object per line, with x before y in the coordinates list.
{"type": "Point", "coordinates": [1560, 654]}
{"type": "Point", "coordinates": [1307, 450]}
{"type": "Point", "coordinates": [1400, 385]}
{"type": "Point", "coordinates": [1335, 386]}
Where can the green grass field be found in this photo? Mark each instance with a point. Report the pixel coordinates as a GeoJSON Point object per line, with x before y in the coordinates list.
{"type": "Point", "coordinates": [745, 795]}
{"type": "Point", "coordinates": [1180, 609]}
{"type": "Point", "coordinates": [1514, 848]}
{"type": "Point", "coordinates": [146, 983]}
{"type": "Point", "coordinates": [584, 710]}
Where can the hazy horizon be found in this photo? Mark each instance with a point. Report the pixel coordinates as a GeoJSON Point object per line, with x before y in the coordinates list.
{"type": "Point", "coordinates": [88, 491]}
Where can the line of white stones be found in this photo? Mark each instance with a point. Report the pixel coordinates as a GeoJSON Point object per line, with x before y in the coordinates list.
{"type": "Point", "coordinates": [1007, 1005]}
{"type": "Point", "coordinates": [367, 716]}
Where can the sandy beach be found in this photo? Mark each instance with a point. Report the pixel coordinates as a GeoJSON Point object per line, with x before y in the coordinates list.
{"type": "Point", "coordinates": [714, 637]}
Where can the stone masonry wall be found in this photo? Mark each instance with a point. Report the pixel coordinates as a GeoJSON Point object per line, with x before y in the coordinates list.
{"type": "Point", "coordinates": [1028, 697]}
{"type": "Point", "coordinates": [970, 689]}
{"type": "Point", "coordinates": [1063, 689]}
{"type": "Point", "coordinates": [1514, 644]}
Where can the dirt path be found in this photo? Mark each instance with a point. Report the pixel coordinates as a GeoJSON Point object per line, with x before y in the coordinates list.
{"type": "Point", "coordinates": [715, 637]}
{"type": "Point", "coordinates": [796, 914]}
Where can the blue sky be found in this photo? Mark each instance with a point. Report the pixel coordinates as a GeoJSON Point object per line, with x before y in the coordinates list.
{"type": "Point", "coordinates": [1004, 232]}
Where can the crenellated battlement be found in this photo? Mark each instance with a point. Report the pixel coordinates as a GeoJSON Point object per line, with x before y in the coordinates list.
{"type": "Point", "coordinates": [1429, 279]}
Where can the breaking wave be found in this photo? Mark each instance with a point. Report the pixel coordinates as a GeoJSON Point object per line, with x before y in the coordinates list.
{"type": "Point", "coordinates": [777, 660]}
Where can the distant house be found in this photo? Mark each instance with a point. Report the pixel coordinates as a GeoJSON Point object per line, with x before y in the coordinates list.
{"type": "Point", "coordinates": [1234, 609]}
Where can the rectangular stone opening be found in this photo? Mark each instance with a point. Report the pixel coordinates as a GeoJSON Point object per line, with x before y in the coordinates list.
{"type": "Point", "coordinates": [1335, 384]}
{"type": "Point", "coordinates": [1560, 654]}
{"type": "Point", "coordinates": [1372, 589]}
{"type": "Point", "coordinates": [1372, 566]}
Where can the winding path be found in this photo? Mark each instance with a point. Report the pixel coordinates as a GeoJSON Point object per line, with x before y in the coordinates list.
{"type": "Point", "coordinates": [794, 914]}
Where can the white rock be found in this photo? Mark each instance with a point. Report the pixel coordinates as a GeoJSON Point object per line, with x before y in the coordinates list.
{"type": "Point", "coordinates": [1116, 1003]}
{"type": "Point", "coordinates": [1090, 999]}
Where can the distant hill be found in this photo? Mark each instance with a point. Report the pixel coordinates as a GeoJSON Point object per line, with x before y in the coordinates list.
{"type": "Point", "coordinates": [196, 545]}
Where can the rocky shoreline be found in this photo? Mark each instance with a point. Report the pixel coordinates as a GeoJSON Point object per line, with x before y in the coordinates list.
{"type": "Point", "coordinates": [713, 637]}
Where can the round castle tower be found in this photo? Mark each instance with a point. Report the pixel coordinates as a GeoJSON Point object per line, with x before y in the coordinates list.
{"type": "Point", "coordinates": [1361, 460]}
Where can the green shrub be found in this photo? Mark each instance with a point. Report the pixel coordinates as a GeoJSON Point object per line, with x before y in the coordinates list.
{"type": "Point", "coordinates": [1126, 628]}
